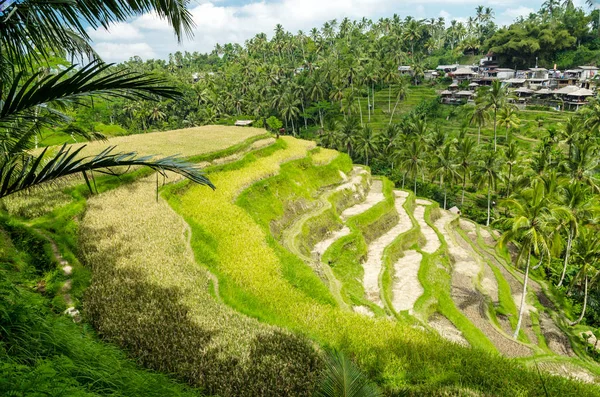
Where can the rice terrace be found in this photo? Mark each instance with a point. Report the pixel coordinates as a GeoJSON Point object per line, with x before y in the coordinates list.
{"type": "Point", "coordinates": [377, 207]}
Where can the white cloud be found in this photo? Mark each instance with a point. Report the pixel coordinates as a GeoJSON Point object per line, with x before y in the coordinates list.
{"type": "Point", "coordinates": [446, 15]}
{"type": "Point", "coordinates": [518, 12]}
{"type": "Point", "coordinates": [117, 32]}
{"type": "Point", "coordinates": [113, 52]}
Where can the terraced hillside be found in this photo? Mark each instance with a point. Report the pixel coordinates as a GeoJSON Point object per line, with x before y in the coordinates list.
{"type": "Point", "coordinates": [296, 243]}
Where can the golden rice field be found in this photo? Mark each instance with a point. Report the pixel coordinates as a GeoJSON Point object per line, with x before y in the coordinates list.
{"type": "Point", "coordinates": [185, 142]}
{"type": "Point", "coordinates": [150, 296]}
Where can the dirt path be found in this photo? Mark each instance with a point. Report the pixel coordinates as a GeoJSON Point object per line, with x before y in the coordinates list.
{"type": "Point", "coordinates": [446, 329]}
{"type": "Point", "coordinates": [67, 271]}
{"type": "Point", "coordinates": [374, 196]}
{"type": "Point", "coordinates": [406, 288]}
{"type": "Point", "coordinates": [432, 241]}
{"type": "Point", "coordinates": [468, 299]}
{"type": "Point", "coordinates": [374, 263]}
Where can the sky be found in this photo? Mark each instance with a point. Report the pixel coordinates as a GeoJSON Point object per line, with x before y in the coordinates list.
{"type": "Point", "coordinates": [225, 21]}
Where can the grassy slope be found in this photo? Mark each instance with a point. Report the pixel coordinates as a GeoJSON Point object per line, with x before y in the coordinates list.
{"type": "Point", "coordinates": [397, 355]}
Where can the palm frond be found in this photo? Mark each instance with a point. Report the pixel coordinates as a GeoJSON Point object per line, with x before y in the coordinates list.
{"type": "Point", "coordinates": [38, 28]}
{"type": "Point", "coordinates": [342, 378]}
{"type": "Point", "coordinates": [17, 174]}
{"type": "Point", "coordinates": [33, 102]}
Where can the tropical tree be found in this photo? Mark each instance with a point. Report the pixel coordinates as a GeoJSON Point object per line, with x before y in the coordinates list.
{"type": "Point", "coordinates": [526, 227]}
{"type": "Point", "coordinates": [495, 98]}
{"type": "Point", "coordinates": [35, 31]}
{"type": "Point", "coordinates": [412, 160]}
{"type": "Point", "coordinates": [487, 171]}
{"type": "Point", "coordinates": [577, 201]}
{"type": "Point", "coordinates": [445, 168]}
{"type": "Point", "coordinates": [465, 150]}
{"type": "Point", "coordinates": [511, 157]}
{"type": "Point", "coordinates": [587, 253]}
{"type": "Point", "coordinates": [366, 143]}
{"type": "Point", "coordinates": [508, 119]}
{"type": "Point", "coordinates": [478, 115]}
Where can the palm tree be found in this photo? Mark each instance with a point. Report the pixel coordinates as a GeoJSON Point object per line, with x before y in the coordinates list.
{"type": "Point", "coordinates": [445, 168]}
{"type": "Point", "coordinates": [511, 156]}
{"type": "Point", "coordinates": [587, 252]}
{"type": "Point", "coordinates": [366, 143]}
{"type": "Point", "coordinates": [487, 176]}
{"type": "Point", "coordinates": [508, 119]}
{"type": "Point", "coordinates": [289, 108]}
{"type": "Point", "coordinates": [412, 159]}
{"type": "Point", "coordinates": [33, 100]}
{"type": "Point", "coordinates": [583, 163]}
{"type": "Point", "coordinates": [347, 134]}
{"type": "Point", "coordinates": [478, 115]}
{"type": "Point", "coordinates": [495, 99]}
{"type": "Point", "coordinates": [465, 153]}
{"type": "Point", "coordinates": [579, 204]}
{"type": "Point", "coordinates": [401, 94]}
{"type": "Point", "coordinates": [526, 227]}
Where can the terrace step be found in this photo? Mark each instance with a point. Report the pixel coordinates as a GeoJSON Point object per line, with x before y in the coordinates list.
{"type": "Point", "coordinates": [373, 265]}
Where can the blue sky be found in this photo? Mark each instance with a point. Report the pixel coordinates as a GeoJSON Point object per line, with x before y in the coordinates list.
{"type": "Point", "coordinates": [222, 21]}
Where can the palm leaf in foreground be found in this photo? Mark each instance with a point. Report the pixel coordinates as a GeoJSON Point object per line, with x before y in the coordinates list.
{"type": "Point", "coordinates": [341, 378]}
{"type": "Point", "coordinates": [17, 174]}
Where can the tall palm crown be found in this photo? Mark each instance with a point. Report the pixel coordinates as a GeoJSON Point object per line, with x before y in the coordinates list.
{"type": "Point", "coordinates": [32, 32]}
{"type": "Point", "coordinates": [527, 228]}
{"type": "Point", "coordinates": [495, 99]}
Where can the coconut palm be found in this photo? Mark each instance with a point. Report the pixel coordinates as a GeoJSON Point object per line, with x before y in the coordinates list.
{"type": "Point", "coordinates": [445, 168]}
{"type": "Point", "coordinates": [494, 99]}
{"type": "Point", "coordinates": [412, 160]}
{"type": "Point", "coordinates": [465, 151]}
{"type": "Point", "coordinates": [577, 200]}
{"type": "Point", "coordinates": [478, 115]}
{"type": "Point", "coordinates": [487, 172]}
{"type": "Point", "coordinates": [366, 144]}
{"type": "Point", "coordinates": [587, 253]}
{"type": "Point", "coordinates": [526, 227]}
{"type": "Point", "coordinates": [583, 163]}
{"type": "Point", "coordinates": [511, 156]}
{"type": "Point", "coordinates": [508, 119]}
{"type": "Point", "coordinates": [35, 31]}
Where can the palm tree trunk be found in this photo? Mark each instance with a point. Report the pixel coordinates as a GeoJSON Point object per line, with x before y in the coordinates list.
{"type": "Point", "coordinates": [585, 296]}
{"type": "Point", "coordinates": [567, 253]}
{"type": "Point", "coordinates": [304, 116]}
{"type": "Point", "coordinates": [495, 117]}
{"type": "Point", "coordinates": [369, 103]}
{"type": "Point", "coordinates": [321, 117]}
{"type": "Point", "coordinates": [479, 135]}
{"type": "Point", "coordinates": [293, 127]}
{"type": "Point", "coordinates": [394, 111]}
{"type": "Point", "coordinates": [508, 181]}
{"type": "Point", "coordinates": [373, 99]}
{"type": "Point", "coordinates": [489, 205]}
{"type": "Point", "coordinates": [522, 308]}
{"type": "Point", "coordinates": [360, 110]}
{"type": "Point", "coordinates": [462, 199]}
{"type": "Point", "coordinates": [389, 98]}
{"type": "Point", "coordinates": [415, 185]}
